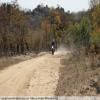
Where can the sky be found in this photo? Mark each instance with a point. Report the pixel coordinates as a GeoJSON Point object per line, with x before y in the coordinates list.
{"type": "Point", "coordinates": [71, 5]}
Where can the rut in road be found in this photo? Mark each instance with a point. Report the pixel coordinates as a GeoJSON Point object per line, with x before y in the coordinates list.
{"type": "Point", "coordinates": [36, 77]}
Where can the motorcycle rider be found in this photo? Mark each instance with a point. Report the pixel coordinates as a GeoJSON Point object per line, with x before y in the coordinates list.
{"type": "Point", "coordinates": [53, 46]}
{"type": "Point", "coordinates": [53, 43]}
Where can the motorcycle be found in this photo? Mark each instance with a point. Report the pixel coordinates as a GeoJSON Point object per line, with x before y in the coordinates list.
{"type": "Point", "coordinates": [53, 50]}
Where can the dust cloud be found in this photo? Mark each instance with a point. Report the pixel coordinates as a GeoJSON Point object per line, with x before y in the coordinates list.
{"type": "Point", "coordinates": [62, 50]}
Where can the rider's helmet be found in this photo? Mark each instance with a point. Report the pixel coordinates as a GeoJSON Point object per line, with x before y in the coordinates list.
{"type": "Point", "coordinates": [53, 40]}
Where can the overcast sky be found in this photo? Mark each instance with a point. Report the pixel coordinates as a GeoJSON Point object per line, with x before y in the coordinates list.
{"type": "Point", "coordinates": [72, 5]}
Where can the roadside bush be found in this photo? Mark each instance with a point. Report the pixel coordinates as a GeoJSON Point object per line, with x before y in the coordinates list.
{"type": "Point", "coordinates": [79, 34]}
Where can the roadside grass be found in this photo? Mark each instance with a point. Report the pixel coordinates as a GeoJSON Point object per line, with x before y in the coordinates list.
{"type": "Point", "coordinates": [8, 61]}
{"type": "Point", "coordinates": [80, 75]}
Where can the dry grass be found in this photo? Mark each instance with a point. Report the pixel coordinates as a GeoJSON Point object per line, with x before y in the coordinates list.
{"type": "Point", "coordinates": [8, 61]}
{"type": "Point", "coordinates": [80, 76]}
{"type": "Point", "coordinates": [5, 62]}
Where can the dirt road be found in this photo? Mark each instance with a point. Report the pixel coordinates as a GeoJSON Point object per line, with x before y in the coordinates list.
{"type": "Point", "coordinates": [35, 77]}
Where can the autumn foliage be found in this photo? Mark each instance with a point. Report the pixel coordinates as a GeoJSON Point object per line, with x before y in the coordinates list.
{"type": "Point", "coordinates": [23, 31]}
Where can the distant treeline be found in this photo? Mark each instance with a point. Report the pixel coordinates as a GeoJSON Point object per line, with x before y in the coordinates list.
{"type": "Point", "coordinates": [24, 31]}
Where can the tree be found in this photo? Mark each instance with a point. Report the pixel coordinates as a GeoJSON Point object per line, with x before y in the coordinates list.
{"type": "Point", "coordinates": [79, 34]}
{"type": "Point", "coordinates": [95, 19]}
{"type": "Point", "coordinates": [93, 3]}
{"type": "Point", "coordinates": [46, 27]}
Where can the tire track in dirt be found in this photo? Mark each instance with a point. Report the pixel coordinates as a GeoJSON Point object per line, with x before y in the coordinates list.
{"type": "Point", "coordinates": [36, 77]}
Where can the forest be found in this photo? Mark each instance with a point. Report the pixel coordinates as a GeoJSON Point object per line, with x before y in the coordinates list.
{"type": "Point", "coordinates": [23, 31]}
